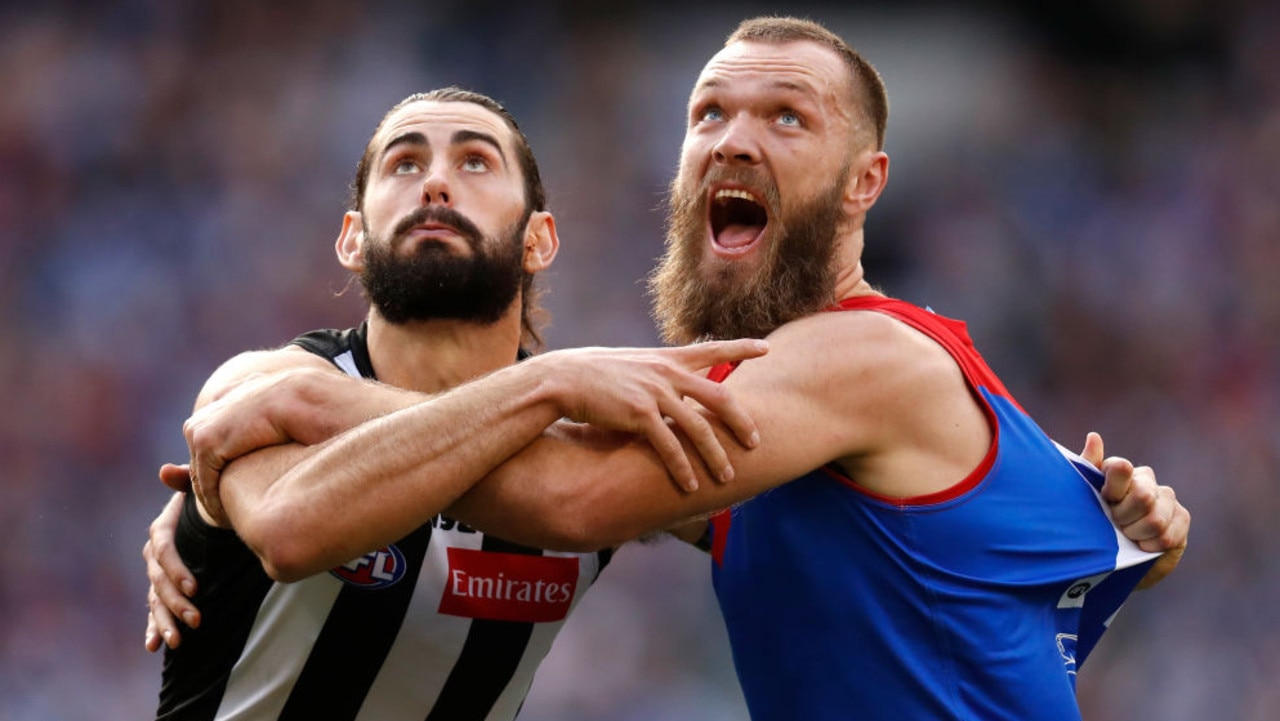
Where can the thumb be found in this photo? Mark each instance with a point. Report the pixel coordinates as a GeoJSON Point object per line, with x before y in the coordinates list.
{"type": "Point", "coordinates": [177, 477]}
{"type": "Point", "coordinates": [1093, 449]}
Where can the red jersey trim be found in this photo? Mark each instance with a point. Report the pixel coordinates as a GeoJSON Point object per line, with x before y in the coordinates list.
{"type": "Point", "coordinates": [953, 336]}
{"type": "Point", "coordinates": [955, 339]}
{"type": "Point", "coordinates": [720, 523]}
{"type": "Point", "coordinates": [949, 333]}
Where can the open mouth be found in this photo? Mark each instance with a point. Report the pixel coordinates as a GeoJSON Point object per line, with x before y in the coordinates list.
{"type": "Point", "coordinates": [738, 219]}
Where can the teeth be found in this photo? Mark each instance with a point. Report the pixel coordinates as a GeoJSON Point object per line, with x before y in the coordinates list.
{"type": "Point", "coordinates": [735, 193]}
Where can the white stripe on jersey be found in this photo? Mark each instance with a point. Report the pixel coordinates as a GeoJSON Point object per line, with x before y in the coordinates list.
{"type": "Point", "coordinates": [422, 654]}
{"type": "Point", "coordinates": [430, 655]}
{"type": "Point", "coordinates": [1127, 552]}
{"type": "Point", "coordinates": [540, 641]}
{"type": "Point", "coordinates": [263, 677]}
{"type": "Point", "coordinates": [347, 362]}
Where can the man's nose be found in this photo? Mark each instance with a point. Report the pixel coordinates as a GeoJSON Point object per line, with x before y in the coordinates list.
{"type": "Point", "coordinates": [435, 188]}
{"type": "Point", "coordinates": [736, 145]}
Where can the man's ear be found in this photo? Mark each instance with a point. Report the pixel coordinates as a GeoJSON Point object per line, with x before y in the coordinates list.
{"type": "Point", "coordinates": [868, 176]}
{"type": "Point", "coordinates": [540, 242]}
{"type": "Point", "coordinates": [350, 243]}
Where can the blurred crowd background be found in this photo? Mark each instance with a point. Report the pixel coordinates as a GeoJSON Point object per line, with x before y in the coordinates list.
{"type": "Point", "coordinates": [1094, 186]}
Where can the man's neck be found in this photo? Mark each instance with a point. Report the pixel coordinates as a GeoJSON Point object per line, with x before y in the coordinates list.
{"type": "Point", "coordinates": [434, 356]}
{"type": "Point", "coordinates": [850, 279]}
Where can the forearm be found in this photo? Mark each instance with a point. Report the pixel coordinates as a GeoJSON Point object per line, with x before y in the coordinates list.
{"type": "Point", "coordinates": [324, 404]}
{"type": "Point", "coordinates": [574, 493]}
{"type": "Point", "coordinates": [304, 510]}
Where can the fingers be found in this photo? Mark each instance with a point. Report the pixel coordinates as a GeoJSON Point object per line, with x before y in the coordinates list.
{"type": "Point", "coordinates": [659, 424]}
{"type": "Point", "coordinates": [1150, 515]}
{"type": "Point", "coordinates": [205, 486]}
{"type": "Point", "coordinates": [1119, 481]}
{"type": "Point", "coordinates": [204, 483]}
{"type": "Point", "coordinates": [725, 406]}
{"type": "Point", "coordinates": [647, 391]}
{"type": "Point", "coordinates": [176, 476]}
{"type": "Point", "coordinates": [1167, 527]}
{"type": "Point", "coordinates": [206, 464]}
{"type": "Point", "coordinates": [162, 548]}
{"type": "Point", "coordinates": [161, 625]}
{"type": "Point", "coordinates": [172, 583]}
{"type": "Point", "coordinates": [1179, 532]}
{"type": "Point", "coordinates": [712, 353]}
{"type": "Point", "coordinates": [704, 440]}
{"type": "Point", "coordinates": [672, 453]}
{"type": "Point", "coordinates": [1092, 449]}
{"type": "Point", "coordinates": [1174, 543]}
{"type": "Point", "coordinates": [1146, 512]}
{"type": "Point", "coordinates": [1135, 501]}
{"type": "Point", "coordinates": [162, 628]}
{"type": "Point", "coordinates": [715, 398]}
{"type": "Point", "coordinates": [720, 402]}
{"type": "Point", "coordinates": [152, 642]}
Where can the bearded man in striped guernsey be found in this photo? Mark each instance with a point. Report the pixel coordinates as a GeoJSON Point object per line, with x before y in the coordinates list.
{"type": "Point", "coordinates": [404, 619]}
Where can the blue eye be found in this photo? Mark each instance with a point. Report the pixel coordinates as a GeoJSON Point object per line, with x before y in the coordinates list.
{"type": "Point", "coordinates": [713, 113]}
{"type": "Point", "coordinates": [403, 167]}
{"type": "Point", "coordinates": [789, 119]}
{"type": "Point", "coordinates": [475, 164]}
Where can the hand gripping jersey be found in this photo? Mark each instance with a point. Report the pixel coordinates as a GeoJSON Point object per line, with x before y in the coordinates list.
{"type": "Point", "coordinates": [447, 623]}
{"type": "Point", "coordinates": [979, 602]}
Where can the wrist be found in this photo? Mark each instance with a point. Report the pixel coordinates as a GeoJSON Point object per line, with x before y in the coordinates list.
{"type": "Point", "coordinates": [548, 384]}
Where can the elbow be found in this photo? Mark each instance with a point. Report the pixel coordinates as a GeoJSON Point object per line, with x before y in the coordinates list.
{"type": "Point", "coordinates": [586, 522]}
{"type": "Point", "coordinates": [284, 556]}
{"type": "Point", "coordinates": [602, 509]}
{"type": "Point", "coordinates": [284, 564]}
{"type": "Point", "coordinates": [577, 538]}
{"type": "Point", "coordinates": [559, 517]}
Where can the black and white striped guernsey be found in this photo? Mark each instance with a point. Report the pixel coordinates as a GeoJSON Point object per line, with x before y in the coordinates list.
{"type": "Point", "coordinates": [446, 624]}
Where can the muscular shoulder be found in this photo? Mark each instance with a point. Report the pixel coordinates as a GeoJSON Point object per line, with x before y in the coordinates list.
{"type": "Point", "coordinates": [855, 383]}
{"type": "Point", "coordinates": [871, 350]}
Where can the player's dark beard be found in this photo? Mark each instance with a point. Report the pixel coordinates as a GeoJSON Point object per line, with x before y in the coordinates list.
{"type": "Point", "coordinates": [434, 282]}
{"type": "Point", "coordinates": [698, 296]}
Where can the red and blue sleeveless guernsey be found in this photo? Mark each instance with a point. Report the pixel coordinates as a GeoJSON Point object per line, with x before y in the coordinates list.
{"type": "Point", "coordinates": [979, 602]}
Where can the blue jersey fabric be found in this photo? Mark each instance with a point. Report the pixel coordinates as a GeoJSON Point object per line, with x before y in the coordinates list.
{"type": "Point", "coordinates": [976, 603]}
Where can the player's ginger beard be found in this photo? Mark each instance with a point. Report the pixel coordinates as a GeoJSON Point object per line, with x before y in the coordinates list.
{"type": "Point", "coordinates": [699, 296]}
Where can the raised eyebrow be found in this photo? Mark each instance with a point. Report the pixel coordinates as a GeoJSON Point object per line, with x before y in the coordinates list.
{"type": "Point", "coordinates": [466, 136]}
{"type": "Point", "coordinates": [699, 88]}
{"type": "Point", "coordinates": [787, 85]}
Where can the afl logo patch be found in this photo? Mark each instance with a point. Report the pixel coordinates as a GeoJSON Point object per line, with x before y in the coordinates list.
{"type": "Point", "coordinates": [1079, 589]}
{"type": "Point", "coordinates": [376, 569]}
{"type": "Point", "coordinates": [1074, 596]}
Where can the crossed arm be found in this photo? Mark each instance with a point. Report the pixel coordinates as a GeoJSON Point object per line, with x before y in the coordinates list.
{"type": "Point", "coordinates": [302, 508]}
{"type": "Point", "coordinates": [575, 487]}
